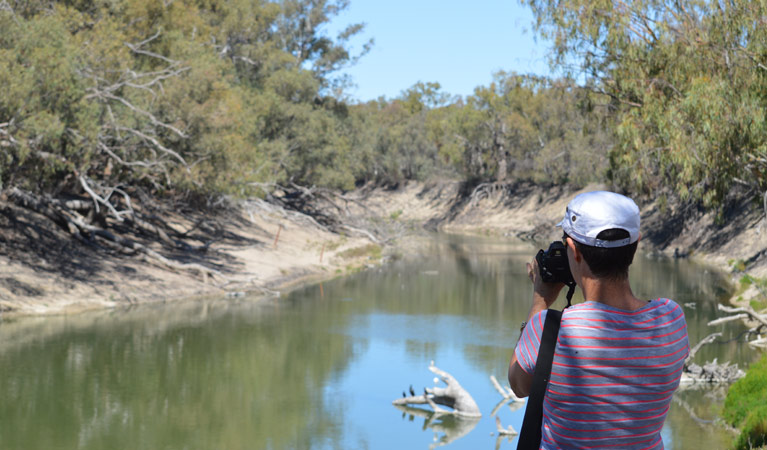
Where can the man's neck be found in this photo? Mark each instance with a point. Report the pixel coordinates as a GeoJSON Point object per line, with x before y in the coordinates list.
{"type": "Point", "coordinates": [615, 293]}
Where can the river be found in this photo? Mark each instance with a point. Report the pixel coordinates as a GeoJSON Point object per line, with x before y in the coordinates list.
{"type": "Point", "coordinates": [318, 368]}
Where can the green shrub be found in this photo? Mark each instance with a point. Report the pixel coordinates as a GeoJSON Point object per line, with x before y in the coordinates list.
{"type": "Point", "coordinates": [745, 406]}
{"type": "Point", "coordinates": [372, 251]}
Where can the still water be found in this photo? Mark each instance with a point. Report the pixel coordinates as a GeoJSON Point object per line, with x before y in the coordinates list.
{"type": "Point", "coordinates": [319, 367]}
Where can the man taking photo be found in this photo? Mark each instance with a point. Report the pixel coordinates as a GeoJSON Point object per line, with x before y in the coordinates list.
{"type": "Point", "coordinates": [618, 359]}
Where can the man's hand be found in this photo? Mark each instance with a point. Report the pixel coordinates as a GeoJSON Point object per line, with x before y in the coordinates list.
{"type": "Point", "coordinates": [546, 293]}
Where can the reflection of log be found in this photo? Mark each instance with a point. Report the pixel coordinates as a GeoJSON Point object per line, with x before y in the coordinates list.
{"type": "Point", "coordinates": [510, 431]}
{"type": "Point", "coordinates": [453, 396]}
{"type": "Point", "coordinates": [452, 426]}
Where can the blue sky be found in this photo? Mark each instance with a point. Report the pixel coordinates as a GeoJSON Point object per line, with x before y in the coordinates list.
{"type": "Point", "coordinates": [458, 44]}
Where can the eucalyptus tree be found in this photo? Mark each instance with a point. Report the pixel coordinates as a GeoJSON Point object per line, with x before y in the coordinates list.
{"type": "Point", "coordinates": [687, 80]}
{"type": "Point", "coordinates": [111, 104]}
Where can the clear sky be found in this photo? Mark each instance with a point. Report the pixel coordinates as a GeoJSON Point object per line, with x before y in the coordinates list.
{"type": "Point", "coordinates": [457, 43]}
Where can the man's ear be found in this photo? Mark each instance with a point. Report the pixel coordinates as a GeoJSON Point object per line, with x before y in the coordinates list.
{"type": "Point", "coordinates": [576, 253]}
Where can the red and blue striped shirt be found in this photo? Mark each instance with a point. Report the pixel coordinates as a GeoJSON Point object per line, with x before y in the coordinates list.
{"type": "Point", "coordinates": [613, 375]}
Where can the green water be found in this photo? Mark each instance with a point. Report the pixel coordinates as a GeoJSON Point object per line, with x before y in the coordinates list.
{"type": "Point", "coordinates": [317, 368]}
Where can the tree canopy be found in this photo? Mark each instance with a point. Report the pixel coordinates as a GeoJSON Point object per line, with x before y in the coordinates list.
{"type": "Point", "coordinates": [687, 80]}
{"type": "Point", "coordinates": [205, 97]}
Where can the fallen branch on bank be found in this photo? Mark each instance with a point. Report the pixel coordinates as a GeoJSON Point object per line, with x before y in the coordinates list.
{"type": "Point", "coordinates": [484, 190]}
{"type": "Point", "coordinates": [79, 227]}
{"type": "Point", "coordinates": [453, 396]}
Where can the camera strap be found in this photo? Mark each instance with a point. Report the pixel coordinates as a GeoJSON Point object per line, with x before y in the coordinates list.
{"type": "Point", "coordinates": [530, 435]}
{"type": "Point", "coordinates": [570, 292]}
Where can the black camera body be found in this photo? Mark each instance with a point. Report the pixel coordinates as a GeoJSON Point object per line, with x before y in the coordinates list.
{"type": "Point", "coordinates": [553, 264]}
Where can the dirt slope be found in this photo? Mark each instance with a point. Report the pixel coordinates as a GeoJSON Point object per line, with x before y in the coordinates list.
{"type": "Point", "coordinates": [43, 270]}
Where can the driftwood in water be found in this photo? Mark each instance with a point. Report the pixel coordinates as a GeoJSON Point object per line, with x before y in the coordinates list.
{"type": "Point", "coordinates": [509, 398]}
{"type": "Point", "coordinates": [712, 371]}
{"type": "Point", "coordinates": [453, 396]}
{"type": "Point", "coordinates": [507, 393]}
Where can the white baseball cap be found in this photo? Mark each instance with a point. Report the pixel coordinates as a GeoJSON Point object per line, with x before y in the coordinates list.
{"type": "Point", "coordinates": [590, 213]}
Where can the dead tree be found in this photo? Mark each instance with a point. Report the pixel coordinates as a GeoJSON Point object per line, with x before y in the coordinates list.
{"type": "Point", "coordinates": [453, 396]}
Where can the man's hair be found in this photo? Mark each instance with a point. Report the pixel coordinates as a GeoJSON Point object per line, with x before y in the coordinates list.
{"type": "Point", "coordinates": [609, 263]}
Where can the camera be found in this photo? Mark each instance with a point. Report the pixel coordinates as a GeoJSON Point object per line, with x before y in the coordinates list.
{"type": "Point", "coordinates": [553, 264]}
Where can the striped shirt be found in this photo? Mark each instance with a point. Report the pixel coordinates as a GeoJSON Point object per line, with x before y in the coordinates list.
{"type": "Point", "coordinates": [613, 374]}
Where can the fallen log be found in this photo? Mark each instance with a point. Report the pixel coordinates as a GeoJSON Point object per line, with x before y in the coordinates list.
{"type": "Point", "coordinates": [711, 372]}
{"type": "Point", "coordinates": [453, 396]}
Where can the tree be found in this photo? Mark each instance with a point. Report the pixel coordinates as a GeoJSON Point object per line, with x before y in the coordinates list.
{"type": "Point", "coordinates": [687, 80]}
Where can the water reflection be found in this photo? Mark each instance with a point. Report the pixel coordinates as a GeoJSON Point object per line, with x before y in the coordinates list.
{"type": "Point", "coordinates": [320, 367]}
{"type": "Point", "coordinates": [446, 427]}
{"type": "Point", "coordinates": [197, 377]}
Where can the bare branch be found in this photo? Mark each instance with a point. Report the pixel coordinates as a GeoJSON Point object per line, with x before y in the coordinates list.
{"type": "Point", "coordinates": [98, 199]}
{"type": "Point", "coordinates": [707, 340]}
{"type": "Point", "coordinates": [154, 141]}
{"type": "Point", "coordinates": [146, 114]}
{"type": "Point", "coordinates": [745, 309]}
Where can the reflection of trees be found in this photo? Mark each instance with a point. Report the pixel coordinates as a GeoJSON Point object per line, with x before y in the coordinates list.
{"type": "Point", "coordinates": [224, 375]}
{"type": "Point", "coordinates": [226, 379]}
{"type": "Point", "coordinates": [692, 419]}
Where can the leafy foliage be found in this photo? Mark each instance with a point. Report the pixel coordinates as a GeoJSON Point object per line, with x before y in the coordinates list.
{"type": "Point", "coordinates": [687, 80]}
{"type": "Point", "coordinates": [745, 408]}
{"type": "Point", "coordinates": [213, 96]}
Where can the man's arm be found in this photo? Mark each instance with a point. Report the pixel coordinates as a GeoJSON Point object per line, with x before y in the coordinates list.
{"type": "Point", "coordinates": [544, 295]}
{"type": "Point", "coordinates": [519, 380]}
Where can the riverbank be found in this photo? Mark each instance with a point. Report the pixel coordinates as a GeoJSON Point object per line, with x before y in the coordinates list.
{"type": "Point", "coordinates": [260, 249]}
{"type": "Point", "coordinates": [254, 249]}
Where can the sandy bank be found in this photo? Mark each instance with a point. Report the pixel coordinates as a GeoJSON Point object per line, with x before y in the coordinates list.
{"type": "Point", "coordinates": [266, 250]}
{"type": "Point", "coordinates": [736, 245]}
{"type": "Point", "coordinates": [259, 252]}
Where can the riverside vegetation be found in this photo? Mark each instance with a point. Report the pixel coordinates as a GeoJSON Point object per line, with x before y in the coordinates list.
{"type": "Point", "coordinates": [115, 112]}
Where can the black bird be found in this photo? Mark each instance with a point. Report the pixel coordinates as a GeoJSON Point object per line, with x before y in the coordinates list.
{"type": "Point", "coordinates": [412, 392]}
{"type": "Point", "coordinates": [403, 394]}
